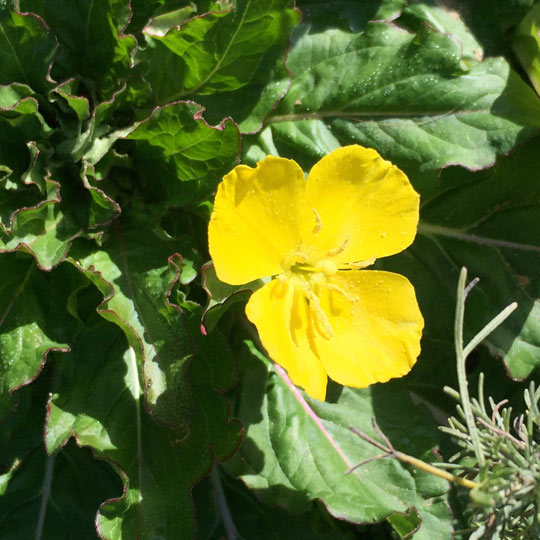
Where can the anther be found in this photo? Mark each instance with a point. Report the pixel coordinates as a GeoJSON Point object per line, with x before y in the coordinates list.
{"type": "Point", "coordinates": [338, 250]}
{"type": "Point", "coordinates": [320, 316]}
{"type": "Point", "coordinates": [318, 225]}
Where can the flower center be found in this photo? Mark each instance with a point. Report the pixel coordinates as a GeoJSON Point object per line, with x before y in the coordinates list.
{"type": "Point", "coordinates": [325, 266]}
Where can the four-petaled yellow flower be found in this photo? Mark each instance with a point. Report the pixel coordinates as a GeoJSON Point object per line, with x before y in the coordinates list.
{"type": "Point", "coordinates": [323, 316]}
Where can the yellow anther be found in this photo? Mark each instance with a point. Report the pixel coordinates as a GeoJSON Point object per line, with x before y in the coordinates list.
{"type": "Point", "coordinates": [358, 265]}
{"type": "Point", "coordinates": [323, 324]}
{"type": "Point", "coordinates": [338, 250]}
{"type": "Point", "coordinates": [341, 291]}
{"type": "Point", "coordinates": [318, 225]}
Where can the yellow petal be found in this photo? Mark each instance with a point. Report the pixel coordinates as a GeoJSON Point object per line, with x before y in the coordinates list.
{"type": "Point", "coordinates": [359, 207]}
{"type": "Point", "coordinates": [281, 314]}
{"type": "Point", "coordinates": [376, 325]}
{"type": "Point", "coordinates": [254, 226]}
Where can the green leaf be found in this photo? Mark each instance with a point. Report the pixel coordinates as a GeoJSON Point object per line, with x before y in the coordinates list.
{"type": "Point", "coordinates": [219, 51]}
{"type": "Point", "coordinates": [180, 158]}
{"type": "Point", "coordinates": [222, 296]}
{"type": "Point", "coordinates": [298, 449]}
{"type": "Point", "coordinates": [26, 50]}
{"type": "Point", "coordinates": [226, 504]}
{"type": "Point", "coordinates": [162, 22]}
{"type": "Point", "coordinates": [485, 221]}
{"type": "Point", "coordinates": [134, 270]}
{"type": "Point", "coordinates": [43, 496]}
{"type": "Point", "coordinates": [526, 45]}
{"type": "Point", "coordinates": [348, 14]}
{"type": "Point", "coordinates": [411, 96]}
{"type": "Point", "coordinates": [33, 320]}
{"type": "Point", "coordinates": [90, 44]}
{"type": "Point", "coordinates": [44, 230]}
{"type": "Point", "coordinates": [445, 19]}
{"type": "Point", "coordinates": [99, 401]}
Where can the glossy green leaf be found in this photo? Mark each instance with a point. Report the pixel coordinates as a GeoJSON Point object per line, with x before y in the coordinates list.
{"type": "Point", "coordinates": [222, 296]}
{"type": "Point", "coordinates": [297, 449]}
{"type": "Point", "coordinates": [135, 270]}
{"type": "Point", "coordinates": [100, 401]}
{"type": "Point", "coordinates": [33, 320]}
{"type": "Point", "coordinates": [526, 44]}
{"type": "Point", "coordinates": [90, 44]}
{"type": "Point", "coordinates": [26, 50]}
{"type": "Point", "coordinates": [42, 230]}
{"type": "Point", "coordinates": [445, 19]}
{"type": "Point", "coordinates": [180, 158]}
{"type": "Point", "coordinates": [221, 50]}
{"type": "Point", "coordinates": [226, 506]}
{"type": "Point", "coordinates": [484, 221]}
{"type": "Point", "coordinates": [43, 496]}
{"type": "Point", "coordinates": [411, 96]}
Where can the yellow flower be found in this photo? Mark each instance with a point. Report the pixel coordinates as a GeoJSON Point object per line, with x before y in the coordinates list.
{"type": "Point", "coordinates": [323, 316]}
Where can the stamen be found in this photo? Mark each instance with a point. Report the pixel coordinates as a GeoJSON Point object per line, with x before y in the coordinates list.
{"type": "Point", "coordinates": [341, 291]}
{"type": "Point", "coordinates": [318, 226]}
{"type": "Point", "coordinates": [338, 250]}
{"type": "Point", "coordinates": [323, 323]}
{"type": "Point", "coordinates": [320, 319]}
{"type": "Point", "coordinates": [358, 265]}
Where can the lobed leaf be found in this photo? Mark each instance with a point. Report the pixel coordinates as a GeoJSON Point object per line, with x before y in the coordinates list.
{"type": "Point", "coordinates": [181, 158]}
{"type": "Point", "coordinates": [33, 320]}
{"type": "Point", "coordinates": [91, 45]}
{"type": "Point", "coordinates": [218, 51]}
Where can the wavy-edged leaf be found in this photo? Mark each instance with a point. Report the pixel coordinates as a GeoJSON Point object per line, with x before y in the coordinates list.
{"type": "Point", "coordinates": [33, 320]}
{"type": "Point", "coordinates": [134, 269]}
{"type": "Point", "coordinates": [348, 14]}
{"type": "Point", "coordinates": [222, 296]}
{"type": "Point", "coordinates": [26, 50]}
{"type": "Point", "coordinates": [409, 95]}
{"type": "Point", "coordinates": [180, 158]}
{"type": "Point", "coordinates": [43, 230]}
{"type": "Point", "coordinates": [100, 403]}
{"type": "Point", "coordinates": [90, 44]}
{"type": "Point", "coordinates": [43, 496]}
{"type": "Point", "coordinates": [526, 45]}
{"type": "Point", "coordinates": [218, 51]}
{"type": "Point", "coordinates": [298, 449]}
{"type": "Point", "coordinates": [225, 505]}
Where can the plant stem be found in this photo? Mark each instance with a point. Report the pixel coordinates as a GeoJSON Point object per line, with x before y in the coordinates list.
{"type": "Point", "coordinates": [461, 373]}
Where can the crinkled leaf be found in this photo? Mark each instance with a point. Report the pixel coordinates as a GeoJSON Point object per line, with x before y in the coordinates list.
{"type": "Point", "coordinates": [222, 296]}
{"type": "Point", "coordinates": [26, 50]}
{"type": "Point", "coordinates": [348, 14]}
{"type": "Point", "coordinates": [218, 51]}
{"type": "Point", "coordinates": [162, 22]}
{"type": "Point", "coordinates": [446, 19]}
{"type": "Point", "coordinates": [33, 320]}
{"type": "Point", "coordinates": [90, 44]}
{"type": "Point", "coordinates": [134, 269]}
{"type": "Point", "coordinates": [42, 496]}
{"type": "Point", "coordinates": [180, 158]}
{"type": "Point", "coordinates": [409, 95]}
{"type": "Point", "coordinates": [99, 401]}
{"type": "Point", "coordinates": [297, 449]}
{"type": "Point", "coordinates": [42, 230]}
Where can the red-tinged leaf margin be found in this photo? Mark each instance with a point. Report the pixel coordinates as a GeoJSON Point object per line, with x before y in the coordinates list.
{"type": "Point", "coordinates": [55, 198]}
{"type": "Point", "coordinates": [108, 291]}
